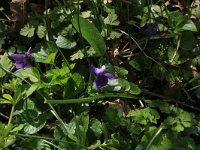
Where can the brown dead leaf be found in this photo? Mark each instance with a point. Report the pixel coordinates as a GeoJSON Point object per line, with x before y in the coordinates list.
{"type": "Point", "coordinates": [119, 105]}
{"type": "Point", "coordinates": [181, 4]}
{"type": "Point", "coordinates": [18, 9]}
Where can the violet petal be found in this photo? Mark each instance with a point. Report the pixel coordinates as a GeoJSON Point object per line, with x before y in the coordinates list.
{"type": "Point", "coordinates": [18, 57]}
{"type": "Point", "coordinates": [27, 66]}
{"type": "Point", "coordinates": [151, 29]}
{"type": "Point", "coordinates": [22, 60]}
{"type": "Point", "coordinates": [99, 82]}
{"type": "Point", "coordinates": [109, 76]}
{"type": "Point", "coordinates": [19, 65]}
{"type": "Point", "coordinates": [98, 71]}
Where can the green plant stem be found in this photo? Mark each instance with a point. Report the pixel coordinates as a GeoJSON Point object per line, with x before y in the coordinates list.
{"type": "Point", "coordinates": [52, 144]}
{"type": "Point", "coordinates": [91, 99]}
{"type": "Point", "coordinates": [167, 99]}
{"type": "Point", "coordinates": [11, 115]}
{"type": "Point", "coordinates": [47, 138]}
{"type": "Point", "coordinates": [153, 138]}
{"type": "Point", "coordinates": [194, 88]}
{"type": "Point", "coordinates": [4, 116]}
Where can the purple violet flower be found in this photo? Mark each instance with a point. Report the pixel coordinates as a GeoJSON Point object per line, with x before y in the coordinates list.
{"type": "Point", "coordinates": [23, 60]}
{"type": "Point", "coordinates": [101, 77]}
{"type": "Point", "coordinates": [150, 29]}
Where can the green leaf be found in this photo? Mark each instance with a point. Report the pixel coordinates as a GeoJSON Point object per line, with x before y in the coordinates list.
{"type": "Point", "coordinates": [159, 71]}
{"type": "Point", "coordinates": [41, 31]}
{"type": "Point", "coordinates": [32, 89]}
{"type": "Point", "coordinates": [12, 85]}
{"type": "Point", "coordinates": [82, 123]}
{"type": "Point", "coordinates": [185, 143]}
{"type": "Point", "coordinates": [173, 76]}
{"type": "Point", "coordinates": [112, 117]}
{"type": "Point", "coordinates": [76, 131]}
{"type": "Point", "coordinates": [28, 30]}
{"type": "Point", "coordinates": [139, 62]}
{"type": "Point", "coordinates": [86, 14]}
{"type": "Point", "coordinates": [112, 144]}
{"type": "Point", "coordinates": [4, 101]}
{"type": "Point", "coordinates": [31, 73]}
{"type": "Point", "coordinates": [5, 63]}
{"type": "Point", "coordinates": [90, 33]}
{"type": "Point", "coordinates": [164, 107]}
{"type": "Point", "coordinates": [33, 120]}
{"type": "Point", "coordinates": [185, 118]}
{"type": "Point", "coordinates": [7, 96]}
{"type": "Point", "coordinates": [111, 19]}
{"type": "Point", "coordinates": [47, 53]}
{"type": "Point", "coordinates": [121, 71]}
{"type": "Point", "coordinates": [170, 54]}
{"type": "Point", "coordinates": [124, 84]}
{"type": "Point", "coordinates": [134, 89]}
{"type": "Point", "coordinates": [96, 127]}
{"type": "Point", "coordinates": [144, 116]}
{"type": "Point", "coordinates": [115, 35]}
{"type": "Point", "coordinates": [176, 19]}
{"type": "Point", "coordinates": [78, 55]}
{"type": "Point", "coordinates": [74, 85]}
{"type": "Point", "coordinates": [33, 144]}
{"type": "Point", "coordinates": [65, 43]}
{"type": "Point", "coordinates": [189, 25]}
{"type": "Point", "coordinates": [79, 81]}
{"type": "Point", "coordinates": [188, 41]}
{"type": "Point", "coordinates": [196, 60]}
{"type": "Point", "coordinates": [59, 76]}
{"type": "Point", "coordinates": [95, 146]}
{"type": "Point", "coordinates": [10, 140]}
{"type": "Point", "coordinates": [181, 119]}
{"type": "Point", "coordinates": [18, 128]}
{"type": "Point", "coordinates": [113, 85]}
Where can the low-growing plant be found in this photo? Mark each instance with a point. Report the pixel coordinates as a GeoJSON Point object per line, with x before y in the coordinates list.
{"type": "Point", "coordinates": [99, 74]}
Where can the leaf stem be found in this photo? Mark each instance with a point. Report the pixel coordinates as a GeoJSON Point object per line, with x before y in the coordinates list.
{"type": "Point", "coordinates": [11, 115]}
{"type": "Point", "coordinates": [47, 138]}
{"type": "Point", "coordinates": [153, 138]}
{"type": "Point", "coordinates": [90, 99]}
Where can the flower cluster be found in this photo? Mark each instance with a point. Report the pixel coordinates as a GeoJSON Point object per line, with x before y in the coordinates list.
{"type": "Point", "coordinates": [23, 60]}
{"type": "Point", "coordinates": [101, 77]}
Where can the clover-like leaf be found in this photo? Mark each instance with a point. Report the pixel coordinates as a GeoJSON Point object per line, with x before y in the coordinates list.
{"type": "Point", "coordinates": [65, 43]}
{"type": "Point", "coordinates": [41, 31]}
{"type": "Point", "coordinates": [144, 116]}
{"type": "Point", "coordinates": [5, 63]}
{"type": "Point", "coordinates": [28, 30]}
{"type": "Point", "coordinates": [111, 19]}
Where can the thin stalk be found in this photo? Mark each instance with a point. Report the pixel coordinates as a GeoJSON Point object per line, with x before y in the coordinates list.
{"type": "Point", "coordinates": [91, 99]}
{"type": "Point", "coordinates": [11, 115]}
{"type": "Point", "coordinates": [153, 138]}
{"type": "Point", "coordinates": [4, 116]}
{"type": "Point", "coordinates": [194, 88]}
{"type": "Point", "coordinates": [52, 144]}
{"type": "Point", "coordinates": [168, 99]}
{"type": "Point", "coordinates": [47, 138]}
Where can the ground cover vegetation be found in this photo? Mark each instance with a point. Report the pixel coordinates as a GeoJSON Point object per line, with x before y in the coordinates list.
{"type": "Point", "coordinates": [100, 74]}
